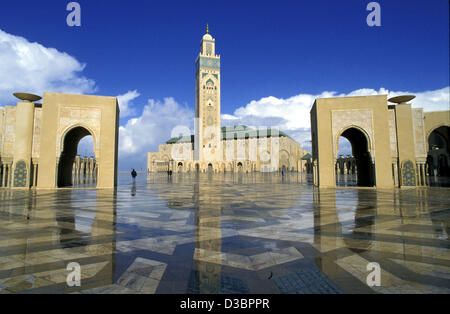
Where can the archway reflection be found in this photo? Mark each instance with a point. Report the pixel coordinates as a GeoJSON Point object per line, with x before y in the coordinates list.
{"type": "Point", "coordinates": [225, 233]}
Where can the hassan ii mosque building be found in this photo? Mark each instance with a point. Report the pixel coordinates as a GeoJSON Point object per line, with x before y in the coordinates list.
{"type": "Point", "coordinates": [218, 149]}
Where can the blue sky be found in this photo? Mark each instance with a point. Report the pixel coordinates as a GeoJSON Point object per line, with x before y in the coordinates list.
{"type": "Point", "coordinates": [278, 49]}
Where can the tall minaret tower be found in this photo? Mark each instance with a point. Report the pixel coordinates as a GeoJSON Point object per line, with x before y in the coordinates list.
{"type": "Point", "coordinates": [207, 140]}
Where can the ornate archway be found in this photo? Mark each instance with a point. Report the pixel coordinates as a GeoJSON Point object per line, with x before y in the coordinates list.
{"type": "Point", "coordinates": [360, 144]}
{"type": "Point", "coordinates": [69, 118]}
{"type": "Point", "coordinates": [438, 156]}
{"type": "Point", "coordinates": [364, 122]}
{"type": "Point", "coordinates": [68, 152]}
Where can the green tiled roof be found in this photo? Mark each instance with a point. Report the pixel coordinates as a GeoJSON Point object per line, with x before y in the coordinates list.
{"type": "Point", "coordinates": [234, 132]}
{"type": "Point", "coordinates": [306, 156]}
{"type": "Point", "coordinates": [181, 139]}
{"type": "Point", "coordinates": [243, 131]}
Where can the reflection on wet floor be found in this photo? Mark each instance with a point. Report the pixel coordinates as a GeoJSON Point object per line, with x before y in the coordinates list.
{"type": "Point", "coordinates": [224, 233]}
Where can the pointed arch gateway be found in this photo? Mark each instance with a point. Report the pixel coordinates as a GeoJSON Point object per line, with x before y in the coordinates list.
{"type": "Point", "coordinates": [70, 142]}
{"type": "Point", "coordinates": [66, 120]}
{"type": "Point", "coordinates": [363, 121]}
{"type": "Point", "coordinates": [437, 142]}
{"type": "Point", "coordinates": [360, 144]}
{"type": "Point", "coordinates": [438, 155]}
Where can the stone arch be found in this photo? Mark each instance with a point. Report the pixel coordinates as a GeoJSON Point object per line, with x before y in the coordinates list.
{"type": "Point", "coordinates": [68, 150]}
{"type": "Point", "coordinates": [361, 151]}
{"type": "Point", "coordinates": [437, 129]}
{"type": "Point", "coordinates": [434, 129]}
{"type": "Point", "coordinates": [73, 116]}
{"type": "Point", "coordinates": [438, 151]}
{"type": "Point", "coordinates": [344, 129]}
{"type": "Point", "coordinates": [84, 126]}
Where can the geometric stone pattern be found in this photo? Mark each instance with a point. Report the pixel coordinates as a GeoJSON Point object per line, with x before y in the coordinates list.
{"type": "Point", "coordinates": [419, 133]}
{"type": "Point", "coordinates": [231, 233]}
{"type": "Point", "coordinates": [9, 135]}
{"type": "Point", "coordinates": [36, 132]}
{"type": "Point", "coordinates": [91, 119]}
{"type": "Point", "coordinates": [228, 285]}
{"type": "Point", "coordinates": [309, 281]}
{"type": "Point", "coordinates": [392, 133]}
{"type": "Point", "coordinates": [342, 119]}
{"type": "Point", "coordinates": [143, 276]}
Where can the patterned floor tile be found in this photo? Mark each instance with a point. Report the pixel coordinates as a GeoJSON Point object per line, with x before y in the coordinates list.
{"type": "Point", "coordinates": [232, 233]}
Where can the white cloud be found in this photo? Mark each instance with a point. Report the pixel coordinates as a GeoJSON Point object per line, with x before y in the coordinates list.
{"type": "Point", "coordinates": [125, 103]}
{"type": "Point", "coordinates": [31, 67]}
{"type": "Point", "coordinates": [86, 146]}
{"type": "Point", "coordinates": [292, 114]}
{"type": "Point", "coordinates": [160, 120]}
{"type": "Point", "coordinates": [144, 134]}
{"type": "Point", "coordinates": [434, 100]}
{"type": "Point", "coordinates": [229, 117]}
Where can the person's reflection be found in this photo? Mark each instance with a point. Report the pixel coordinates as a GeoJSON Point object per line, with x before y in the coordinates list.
{"type": "Point", "coordinates": [133, 189]}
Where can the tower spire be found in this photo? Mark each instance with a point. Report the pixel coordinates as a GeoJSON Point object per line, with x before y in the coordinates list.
{"type": "Point", "coordinates": [207, 28]}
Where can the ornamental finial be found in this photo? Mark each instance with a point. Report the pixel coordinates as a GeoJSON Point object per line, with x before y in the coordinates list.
{"type": "Point", "coordinates": [207, 28]}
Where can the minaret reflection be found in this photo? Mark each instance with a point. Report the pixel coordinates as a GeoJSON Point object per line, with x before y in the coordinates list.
{"type": "Point", "coordinates": [208, 237]}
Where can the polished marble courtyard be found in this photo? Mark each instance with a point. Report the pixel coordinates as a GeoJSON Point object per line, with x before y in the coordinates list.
{"type": "Point", "coordinates": [241, 233]}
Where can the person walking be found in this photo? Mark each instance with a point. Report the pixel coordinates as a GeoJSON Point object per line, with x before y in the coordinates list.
{"type": "Point", "coordinates": [133, 174]}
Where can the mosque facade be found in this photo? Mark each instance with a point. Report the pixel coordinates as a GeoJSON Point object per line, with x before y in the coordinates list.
{"type": "Point", "coordinates": [213, 148]}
